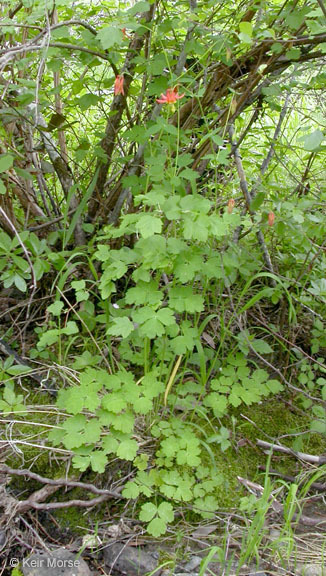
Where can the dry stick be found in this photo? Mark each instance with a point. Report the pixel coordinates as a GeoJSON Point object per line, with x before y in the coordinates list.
{"type": "Point", "coordinates": [223, 76]}
{"type": "Point", "coordinates": [49, 223]}
{"type": "Point", "coordinates": [16, 9]}
{"type": "Point", "coordinates": [60, 482]}
{"type": "Point", "coordinates": [319, 460]}
{"type": "Point", "coordinates": [63, 172]}
{"type": "Point", "coordinates": [35, 160]}
{"type": "Point", "coordinates": [41, 66]}
{"type": "Point", "coordinates": [292, 344]}
{"type": "Point", "coordinates": [321, 248]}
{"type": "Point", "coordinates": [10, 54]}
{"type": "Point", "coordinates": [282, 377]}
{"type": "Point", "coordinates": [28, 504]}
{"type": "Point", "coordinates": [13, 507]}
{"type": "Point", "coordinates": [256, 95]}
{"type": "Point", "coordinates": [318, 486]}
{"type": "Point", "coordinates": [117, 108]}
{"type": "Point", "coordinates": [247, 195]}
{"type": "Point", "coordinates": [301, 188]}
{"type": "Point", "coordinates": [58, 102]}
{"type": "Point", "coordinates": [271, 151]}
{"type": "Point", "coordinates": [67, 23]}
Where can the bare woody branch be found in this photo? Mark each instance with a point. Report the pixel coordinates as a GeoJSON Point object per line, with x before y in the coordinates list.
{"type": "Point", "coordinates": [117, 108]}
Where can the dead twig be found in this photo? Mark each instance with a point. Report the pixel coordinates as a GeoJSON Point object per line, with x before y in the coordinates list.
{"type": "Point", "coordinates": [318, 460]}
{"type": "Point", "coordinates": [318, 486]}
{"type": "Point", "coordinates": [60, 482]}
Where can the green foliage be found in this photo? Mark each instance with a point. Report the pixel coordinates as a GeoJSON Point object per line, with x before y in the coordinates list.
{"type": "Point", "coordinates": [10, 401]}
{"type": "Point", "coordinates": [158, 517]}
{"type": "Point", "coordinates": [238, 384]}
{"type": "Point", "coordinates": [14, 267]}
{"type": "Point", "coordinates": [166, 292]}
{"type": "Point", "coordinates": [16, 572]}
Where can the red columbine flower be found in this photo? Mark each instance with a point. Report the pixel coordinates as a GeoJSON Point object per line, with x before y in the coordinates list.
{"type": "Point", "coordinates": [271, 218]}
{"type": "Point", "coordinates": [231, 204]}
{"type": "Point", "coordinates": [118, 85]}
{"type": "Point", "coordinates": [170, 96]}
{"type": "Point", "coordinates": [125, 35]}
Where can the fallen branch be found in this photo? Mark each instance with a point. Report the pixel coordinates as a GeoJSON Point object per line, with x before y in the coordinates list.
{"type": "Point", "coordinates": [318, 486]}
{"type": "Point", "coordinates": [319, 460]}
{"type": "Point", "coordinates": [12, 507]}
{"type": "Point", "coordinates": [60, 482]}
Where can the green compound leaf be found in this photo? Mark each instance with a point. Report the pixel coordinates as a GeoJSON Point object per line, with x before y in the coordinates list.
{"type": "Point", "coordinates": [6, 162]}
{"type": "Point", "coordinates": [189, 455]}
{"type": "Point", "coordinates": [147, 512]}
{"type": "Point", "coordinates": [92, 431]}
{"type": "Point", "coordinates": [131, 490]}
{"type": "Point", "coordinates": [110, 444]}
{"type": "Point", "coordinates": [144, 293]}
{"type": "Point", "coordinates": [56, 308]}
{"type": "Point", "coordinates": [170, 446]}
{"type": "Point", "coordinates": [81, 462]}
{"type": "Point", "coordinates": [313, 140]}
{"type": "Point", "coordinates": [149, 225]}
{"type": "Point", "coordinates": [114, 402]}
{"type": "Point", "coordinates": [165, 511]}
{"type": "Point", "coordinates": [153, 322]}
{"type": "Point", "coordinates": [123, 422]}
{"type": "Point", "coordinates": [122, 327]}
{"type": "Point", "coordinates": [74, 427]}
{"type": "Point", "coordinates": [157, 527]}
{"type": "Point", "coordinates": [98, 461]}
{"type": "Point", "coordinates": [127, 450]}
{"type": "Point", "coordinates": [109, 36]}
{"type": "Point", "coordinates": [143, 405]}
{"type": "Point", "coordinates": [182, 299]}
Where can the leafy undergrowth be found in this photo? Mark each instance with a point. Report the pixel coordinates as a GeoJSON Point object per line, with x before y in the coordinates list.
{"type": "Point", "coordinates": [180, 458]}
{"type": "Point", "coordinates": [162, 253]}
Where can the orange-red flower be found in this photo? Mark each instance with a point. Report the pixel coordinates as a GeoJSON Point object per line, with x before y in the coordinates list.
{"type": "Point", "coordinates": [231, 204]}
{"type": "Point", "coordinates": [118, 85]}
{"type": "Point", "coordinates": [271, 218]}
{"type": "Point", "coordinates": [170, 96]}
{"type": "Point", "coordinates": [125, 35]}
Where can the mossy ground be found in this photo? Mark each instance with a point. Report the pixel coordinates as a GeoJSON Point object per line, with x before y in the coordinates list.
{"type": "Point", "coordinates": [268, 420]}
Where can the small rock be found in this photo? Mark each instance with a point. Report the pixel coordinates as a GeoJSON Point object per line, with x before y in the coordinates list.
{"type": "Point", "coordinates": [129, 560]}
{"type": "Point", "coordinates": [311, 570]}
{"type": "Point", "coordinates": [91, 541]}
{"type": "Point", "coordinates": [188, 574]}
{"type": "Point", "coordinates": [193, 563]}
{"type": "Point", "coordinates": [274, 534]}
{"type": "Point", "coordinates": [60, 562]}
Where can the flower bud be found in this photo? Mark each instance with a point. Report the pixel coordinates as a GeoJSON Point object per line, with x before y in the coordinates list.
{"type": "Point", "coordinates": [271, 218]}
{"type": "Point", "coordinates": [231, 204]}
